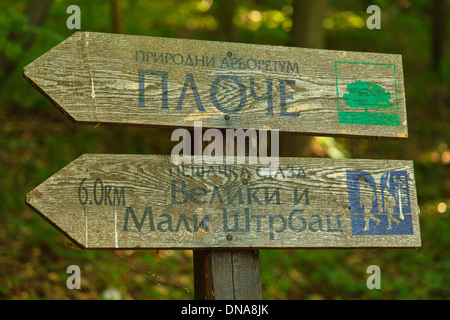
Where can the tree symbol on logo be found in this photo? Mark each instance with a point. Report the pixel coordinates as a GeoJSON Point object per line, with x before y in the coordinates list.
{"type": "Point", "coordinates": [367, 95]}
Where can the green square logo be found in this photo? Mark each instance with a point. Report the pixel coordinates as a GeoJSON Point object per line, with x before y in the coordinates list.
{"type": "Point", "coordinates": [367, 93]}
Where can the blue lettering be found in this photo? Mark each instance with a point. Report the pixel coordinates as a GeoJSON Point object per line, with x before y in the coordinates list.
{"type": "Point", "coordinates": [190, 81]}
{"type": "Point", "coordinates": [213, 93]}
{"type": "Point", "coordinates": [163, 75]}
{"type": "Point", "coordinates": [284, 96]}
{"type": "Point", "coordinates": [267, 97]}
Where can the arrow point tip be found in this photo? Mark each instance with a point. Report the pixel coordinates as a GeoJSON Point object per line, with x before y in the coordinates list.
{"type": "Point", "coordinates": [35, 194]}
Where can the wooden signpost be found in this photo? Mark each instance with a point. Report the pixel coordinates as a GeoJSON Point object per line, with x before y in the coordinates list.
{"type": "Point", "coordinates": [226, 212]}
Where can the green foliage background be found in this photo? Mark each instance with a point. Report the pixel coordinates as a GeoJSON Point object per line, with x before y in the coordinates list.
{"type": "Point", "coordinates": [36, 140]}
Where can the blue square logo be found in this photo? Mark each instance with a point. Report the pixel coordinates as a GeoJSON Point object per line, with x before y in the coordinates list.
{"type": "Point", "coordinates": [389, 214]}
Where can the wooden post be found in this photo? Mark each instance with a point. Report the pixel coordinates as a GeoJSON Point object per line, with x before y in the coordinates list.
{"type": "Point", "coordinates": [227, 275]}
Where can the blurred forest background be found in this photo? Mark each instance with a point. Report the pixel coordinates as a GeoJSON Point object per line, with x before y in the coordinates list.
{"type": "Point", "coordinates": [36, 140]}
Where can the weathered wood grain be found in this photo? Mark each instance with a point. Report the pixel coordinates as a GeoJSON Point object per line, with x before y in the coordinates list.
{"type": "Point", "coordinates": [139, 80]}
{"type": "Point", "coordinates": [144, 201]}
{"type": "Point", "coordinates": [227, 275]}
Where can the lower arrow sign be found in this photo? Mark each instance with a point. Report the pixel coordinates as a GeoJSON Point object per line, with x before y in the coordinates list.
{"type": "Point", "coordinates": [146, 201]}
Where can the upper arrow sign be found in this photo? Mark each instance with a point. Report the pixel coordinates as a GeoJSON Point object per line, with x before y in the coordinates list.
{"type": "Point", "coordinates": [139, 80]}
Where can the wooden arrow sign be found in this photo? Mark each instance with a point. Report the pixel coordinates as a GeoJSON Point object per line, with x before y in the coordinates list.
{"type": "Point", "coordinates": [145, 201]}
{"type": "Point", "coordinates": [138, 80]}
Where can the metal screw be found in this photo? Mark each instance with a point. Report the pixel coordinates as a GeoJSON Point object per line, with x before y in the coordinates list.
{"type": "Point", "coordinates": [229, 54]}
{"type": "Point", "coordinates": [229, 237]}
{"type": "Point", "coordinates": [227, 117]}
